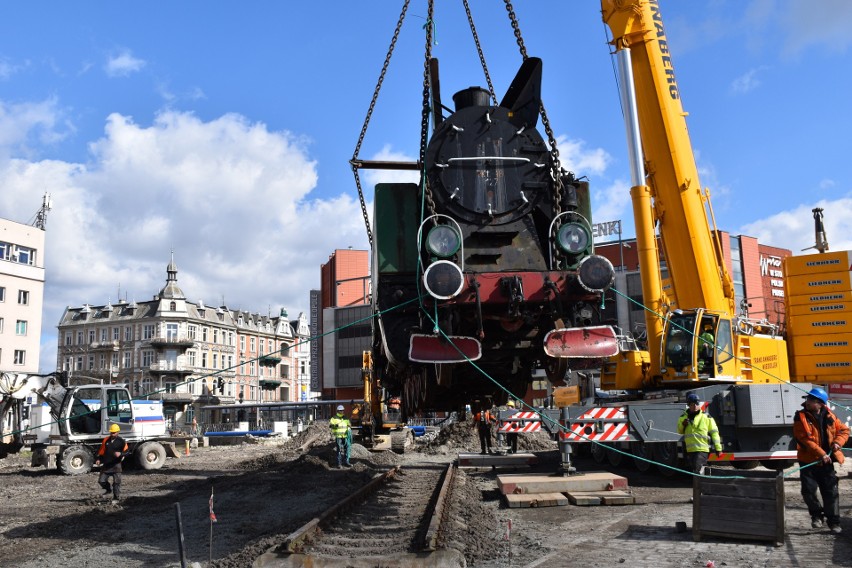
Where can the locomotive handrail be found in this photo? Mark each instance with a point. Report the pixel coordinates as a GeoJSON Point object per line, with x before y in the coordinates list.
{"type": "Point", "coordinates": [503, 158]}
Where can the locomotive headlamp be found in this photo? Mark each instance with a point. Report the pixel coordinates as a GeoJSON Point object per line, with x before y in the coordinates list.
{"type": "Point", "coordinates": [443, 280]}
{"type": "Point", "coordinates": [443, 241]}
{"type": "Point", "coordinates": [572, 238]}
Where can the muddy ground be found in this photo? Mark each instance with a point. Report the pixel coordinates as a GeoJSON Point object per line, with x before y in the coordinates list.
{"type": "Point", "coordinates": [265, 490]}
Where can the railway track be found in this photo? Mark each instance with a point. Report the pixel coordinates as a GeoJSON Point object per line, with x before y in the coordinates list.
{"type": "Point", "coordinates": [394, 520]}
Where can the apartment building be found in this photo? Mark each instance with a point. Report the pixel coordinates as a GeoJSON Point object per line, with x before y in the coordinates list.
{"type": "Point", "coordinates": [21, 295]}
{"type": "Point", "coordinates": [184, 353]}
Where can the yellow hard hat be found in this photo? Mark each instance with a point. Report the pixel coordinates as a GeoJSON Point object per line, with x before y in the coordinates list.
{"type": "Point", "coordinates": [511, 403]}
{"type": "Point", "coordinates": [115, 428]}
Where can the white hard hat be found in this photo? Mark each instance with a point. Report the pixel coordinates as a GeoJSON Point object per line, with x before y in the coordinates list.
{"type": "Point", "coordinates": [339, 407]}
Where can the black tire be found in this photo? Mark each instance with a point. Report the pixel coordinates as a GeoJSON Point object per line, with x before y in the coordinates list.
{"type": "Point", "coordinates": [150, 455]}
{"type": "Point", "coordinates": [777, 465]}
{"type": "Point", "coordinates": [750, 464]}
{"type": "Point", "coordinates": [75, 460]}
{"type": "Point", "coordinates": [640, 450]}
{"type": "Point", "coordinates": [599, 452]}
{"type": "Point", "coordinates": [615, 456]}
{"type": "Point", "coordinates": [665, 453]}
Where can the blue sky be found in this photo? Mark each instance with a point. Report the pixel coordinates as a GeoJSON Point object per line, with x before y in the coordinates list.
{"type": "Point", "coordinates": [223, 130]}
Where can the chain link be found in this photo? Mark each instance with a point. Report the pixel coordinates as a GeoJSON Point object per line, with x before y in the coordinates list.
{"type": "Point", "coordinates": [367, 120]}
{"type": "Point", "coordinates": [479, 51]}
{"type": "Point", "coordinates": [424, 121]}
{"type": "Point", "coordinates": [551, 139]}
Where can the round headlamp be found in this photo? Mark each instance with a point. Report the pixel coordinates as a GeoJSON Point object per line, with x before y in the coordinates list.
{"type": "Point", "coordinates": [443, 280]}
{"type": "Point", "coordinates": [572, 238]}
{"type": "Point", "coordinates": [443, 241]}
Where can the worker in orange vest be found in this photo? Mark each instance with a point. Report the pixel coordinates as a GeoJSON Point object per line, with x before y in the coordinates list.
{"type": "Point", "coordinates": [482, 421]}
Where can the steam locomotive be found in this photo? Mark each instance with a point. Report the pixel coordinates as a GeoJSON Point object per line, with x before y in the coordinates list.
{"type": "Point", "coordinates": [485, 271]}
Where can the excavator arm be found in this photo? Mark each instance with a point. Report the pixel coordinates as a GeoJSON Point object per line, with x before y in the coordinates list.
{"type": "Point", "coordinates": [14, 389]}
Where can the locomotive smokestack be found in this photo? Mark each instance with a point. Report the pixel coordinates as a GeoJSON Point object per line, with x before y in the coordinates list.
{"type": "Point", "coordinates": [472, 97]}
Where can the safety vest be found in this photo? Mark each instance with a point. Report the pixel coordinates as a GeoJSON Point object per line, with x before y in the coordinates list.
{"type": "Point", "coordinates": [339, 426]}
{"type": "Point", "coordinates": [699, 432]}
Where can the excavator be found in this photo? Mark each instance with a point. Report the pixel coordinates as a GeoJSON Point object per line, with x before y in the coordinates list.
{"type": "Point", "coordinates": [379, 422]}
{"type": "Point", "coordinates": [751, 379]}
{"type": "Point", "coordinates": [79, 418]}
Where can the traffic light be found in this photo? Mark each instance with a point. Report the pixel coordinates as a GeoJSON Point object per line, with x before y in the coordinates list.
{"type": "Point", "coordinates": [220, 383]}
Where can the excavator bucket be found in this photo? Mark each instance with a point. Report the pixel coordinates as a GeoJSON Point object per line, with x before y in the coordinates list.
{"type": "Point", "coordinates": [581, 342]}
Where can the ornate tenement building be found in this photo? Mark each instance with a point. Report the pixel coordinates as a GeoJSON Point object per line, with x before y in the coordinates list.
{"type": "Point", "coordinates": [186, 354]}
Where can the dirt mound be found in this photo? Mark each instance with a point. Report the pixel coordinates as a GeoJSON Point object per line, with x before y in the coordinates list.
{"type": "Point", "coordinates": [463, 437]}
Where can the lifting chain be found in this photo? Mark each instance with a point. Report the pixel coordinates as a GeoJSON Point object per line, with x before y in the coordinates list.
{"type": "Point", "coordinates": [367, 120]}
{"type": "Point", "coordinates": [551, 139]}
{"type": "Point", "coordinates": [424, 121]}
{"type": "Point", "coordinates": [479, 51]}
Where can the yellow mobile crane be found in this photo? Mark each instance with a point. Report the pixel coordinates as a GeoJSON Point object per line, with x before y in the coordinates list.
{"type": "Point", "coordinates": [696, 340]}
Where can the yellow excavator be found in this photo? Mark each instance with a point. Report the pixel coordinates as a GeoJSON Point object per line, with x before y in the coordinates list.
{"type": "Point", "coordinates": [379, 422]}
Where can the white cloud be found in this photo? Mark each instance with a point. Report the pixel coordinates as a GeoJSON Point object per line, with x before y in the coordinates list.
{"type": "Point", "coordinates": [818, 24]}
{"type": "Point", "coordinates": [123, 64]}
{"type": "Point", "coordinates": [24, 125]}
{"type": "Point", "coordinates": [794, 229]}
{"type": "Point", "coordinates": [574, 157]}
{"type": "Point", "coordinates": [232, 199]}
{"type": "Point", "coordinates": [746, 82]}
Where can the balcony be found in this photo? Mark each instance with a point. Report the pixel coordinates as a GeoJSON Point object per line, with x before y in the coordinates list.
{"type": "Point", "coordinates": [269, 360]}
{"type": "Point", "coordinates": [167, 368]}
{"type": "Point", "coordinates": [173, 341]}
{"type": "Point", "coordinates": [185, 397]}
{"type": "Point", "coordinates": [269, 384]}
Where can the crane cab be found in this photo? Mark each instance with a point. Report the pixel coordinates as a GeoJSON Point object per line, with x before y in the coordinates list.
{"type": "Point", "coordinates": [697, 344]}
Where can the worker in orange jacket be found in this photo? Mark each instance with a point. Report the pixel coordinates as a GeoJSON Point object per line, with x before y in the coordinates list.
{"type": "Point", "coordinates": [110, 455]}
{"type": "Point", "coordinates": [820, 437]}
{"type": "Point", "coordinates": [482, 422]}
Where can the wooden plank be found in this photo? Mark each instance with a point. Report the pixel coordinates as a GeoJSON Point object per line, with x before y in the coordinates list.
{"type": "Point", "coordinates": [531, 500]}
{"type": "Point", "coordinates": [591, 481]}
{"type": "Point", "coordinates": [618, 498]}
{"type": "Point", "coordinates": [584, 499]}
{"type": "Point", "coordinates": [745, 530]}
{"type": "Point", "coordinates": [744, 488]}
{"type": "Point", "coordinates": [754, 507]}
{"type": "Point", "coordinates": [487, 460]}
{"type": "Point", "coordinates": [736, 518]}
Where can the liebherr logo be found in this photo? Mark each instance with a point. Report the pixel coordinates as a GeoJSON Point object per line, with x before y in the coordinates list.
{"type": "Point", "coordinates": [828, 308]}
{"type": "Point", "coordinates": [828, 323]}
{"type": "Point", "coordinates": [664, 50]}
{"type": "Point", "coordinates": [838, 364]}
{"type": "Point", "coordinates": [824, 282]}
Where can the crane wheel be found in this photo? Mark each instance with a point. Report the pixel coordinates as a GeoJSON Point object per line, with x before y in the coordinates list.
{"type": "Point", "coordinates": [76, 460]}
{"type": "Point", "coordinates": [151, 455]}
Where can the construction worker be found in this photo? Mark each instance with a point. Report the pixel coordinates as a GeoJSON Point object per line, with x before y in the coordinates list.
{"type": "Point", "coordinates": [699, 431]}
{"type": "Point", "coordinates": [482, 421]}
{"type": "Point", "coordinates": [819, 439]}
{"type": "Point", "coordinates": [706, 347]}
{"type": "Point", "coordinates": [341, 430]}
{"type": "Point", "coordinates": [110, 455]}
{"type": "Point", "coordinates": [512, 437]}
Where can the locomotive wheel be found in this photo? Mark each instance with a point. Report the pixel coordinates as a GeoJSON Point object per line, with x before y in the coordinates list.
{"type": "Point", "coordinates": [555, 369]}
{"type": "Point", "coordinates": [76, 460]}
{"type": "Point", "coordinates": [151, 455]}
{"type": "Point", "coordinates": [640, 450]}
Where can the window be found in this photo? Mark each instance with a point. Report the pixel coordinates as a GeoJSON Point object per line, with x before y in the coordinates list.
{"type": "Point", "coordinates": [1, 325]}
{"type": "Point", "coordinates": [91, 362]}
{"type": "Point", "coordinates": [2, 293]}
{"type": "Point", "coordinates": [251, 341]}
{"type": "Point", "coordinates": [104, 332]}
{"type": "Point", "coordinates": [23, 297]}
{"type": "Point", "coordinates": [25, 255]}
{"type": "Point", "coordinates": [191, 330]}
{"type": "Point", "coordinates": [91, 336]}
{"type": "Point", "coordinates": [204, 360]}
{"type": "Point", "coordinates": [215, 360]}
{"type": "Point", "coordinates": [20, 357]}
{"type": "Point", "coordinates": [147, 358]}
{"type": "Point", "coordinates": [116, 333]}
{"type": "Point", "coordinates": [231, 338]}
{"type": "Point", "coordinates": [5, 250]}
{"type": "Point", "coordinates": [251, 368]}
{"type": "Point", "coordinates": [20, 327]}
{"type": "Point", "coordinates": [285, 371]}
{"type": "Point", "coordinates": [171, 331]}
{"type": "Point", "coordinates": [191, 356]}
{"type": "Point", "coordinates": [79, 337]}
{"type": "Point", "coordinates": [242, 343]}
{"type": "Point", "coordinates": [114, 362]}
{"type": "Point", "coordinates": [128, 359]}
{"type": "Point", "coordinates": [285, 350]}
{"type": "Point", "coordinates": [69, 336]}
{"type": "Point", "coordinates": [102, 361]}
{"type": "Point", "coordinates": [215, 336]}
{"type": "Point", "coordinates": [172, 306]}
{"type": "Point", "coordinates": [170, 386]}
{"type": "Point", "coordinates": [128, 333]}
{"type": "Point", "coordinates": [147, 331]}
{"type": "Point", "coordinates": [78, 364]}
{"type": "Point", "coordinates": [262, 346]}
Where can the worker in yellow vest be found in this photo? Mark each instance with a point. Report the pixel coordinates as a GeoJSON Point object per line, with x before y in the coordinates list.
{"type": "Point", "coordinates": [341, 430]}
{"type": "Point", "coordinates": [699, 432]}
